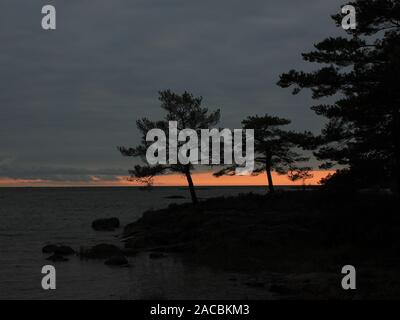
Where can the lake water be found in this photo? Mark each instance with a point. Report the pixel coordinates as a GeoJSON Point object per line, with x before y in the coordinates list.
{"type": "Point", "coordinates": [33, 217]}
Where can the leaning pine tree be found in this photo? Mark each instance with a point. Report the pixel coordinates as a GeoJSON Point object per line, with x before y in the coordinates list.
{"type": "Point", "coordinates": [276, 149]}
{"type": "Point", "coordinates": [188, 112]}
{"type": "Point", "coordinates": [363, 71]}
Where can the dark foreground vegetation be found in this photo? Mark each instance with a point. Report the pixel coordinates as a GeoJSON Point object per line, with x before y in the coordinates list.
{"type": "Point", "coordinates": [306, 237]}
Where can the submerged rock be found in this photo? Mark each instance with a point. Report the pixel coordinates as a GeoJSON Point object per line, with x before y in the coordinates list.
{"type": "Point", "coordinates": [106, 224]}
{"type": "Point", "coordinates": [116, 261]}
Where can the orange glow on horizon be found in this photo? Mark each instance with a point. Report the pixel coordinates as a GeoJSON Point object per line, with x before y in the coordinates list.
{"type": "Point", "coordinates": [199, 179]}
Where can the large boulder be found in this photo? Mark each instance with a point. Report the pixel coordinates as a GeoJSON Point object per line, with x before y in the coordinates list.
{"type": "Point", "coordinates": [109, 224]}
{"type": "Point", "coordinates": [101, 251]}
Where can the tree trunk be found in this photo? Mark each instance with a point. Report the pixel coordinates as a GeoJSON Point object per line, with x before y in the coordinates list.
{"type": "Point", "coordinates": [191, 187]}
{"type": "Point", "coordinates": [269, 177]}
{"type": "Point", "coordinates": [396, 132]}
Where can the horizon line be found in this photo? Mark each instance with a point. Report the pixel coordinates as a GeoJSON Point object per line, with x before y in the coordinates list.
{"type": "Point", "coordinates": [200, 179]}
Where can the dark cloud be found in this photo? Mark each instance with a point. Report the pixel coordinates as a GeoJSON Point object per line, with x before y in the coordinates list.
{"type": "Point", "coordinates": [69, 97]}
{"type": "Point", "coordinates": [60, 173]}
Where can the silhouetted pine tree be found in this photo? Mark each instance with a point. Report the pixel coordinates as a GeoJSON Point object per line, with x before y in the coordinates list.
{"type": "Point", "coordinates": [363, 69]}
{"type": "Point", "coordinates": [276, 149]}
{"type": "Point", "coordinates": [187, 111]}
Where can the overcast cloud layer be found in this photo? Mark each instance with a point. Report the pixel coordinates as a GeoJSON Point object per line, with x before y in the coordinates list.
{"type": "Point", "coordinates": [69, 97]}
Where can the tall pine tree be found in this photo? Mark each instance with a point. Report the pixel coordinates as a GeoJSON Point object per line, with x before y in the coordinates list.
{"type": "Point", "coordinates": [276, 149]}
{"type": "Point", "coordinates": [363, 71]}
{"type": "Point", "coordinates": [188, 112]}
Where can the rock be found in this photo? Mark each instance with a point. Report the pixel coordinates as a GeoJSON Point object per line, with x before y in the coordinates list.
{"type": "Point", "coordinates": [51, 248]}
{"type": "Point", "coordinates": [106, 224]}
{"type": "Point", "coordinates": [57, 258]}
{"type": "Point", "coordinates": [64, 251]}
{"type": "Point", "coordinates": [101, 251]}
{"type": "Point", "coordinates": [116, 261]}
{"type": "Point", "coordinates": [58, 249]}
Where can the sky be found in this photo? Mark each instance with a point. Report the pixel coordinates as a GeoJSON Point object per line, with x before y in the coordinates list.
{"type": "Point", "coordinates": [69, 97]}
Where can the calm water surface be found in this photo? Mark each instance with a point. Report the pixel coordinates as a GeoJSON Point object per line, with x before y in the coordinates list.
{"type": "Point", "coordinates": [33, 217]}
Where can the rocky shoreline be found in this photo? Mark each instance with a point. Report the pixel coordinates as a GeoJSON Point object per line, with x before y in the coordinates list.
{"type": "Point", "coordinates": [303, 238]}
